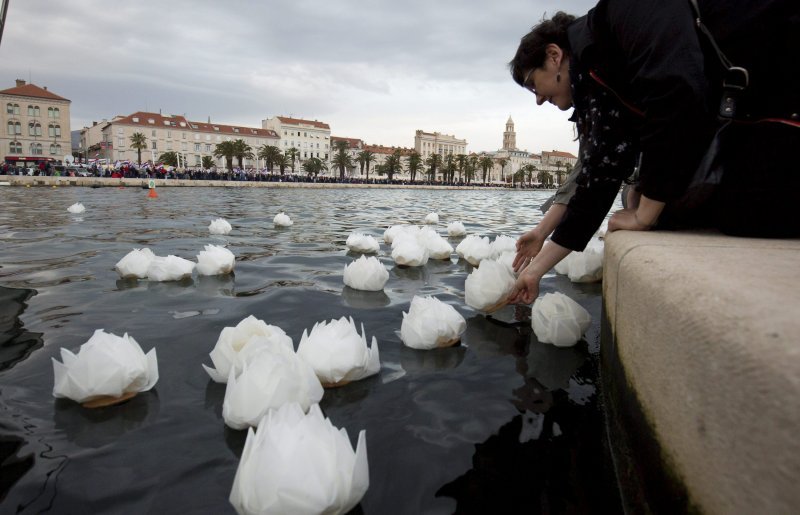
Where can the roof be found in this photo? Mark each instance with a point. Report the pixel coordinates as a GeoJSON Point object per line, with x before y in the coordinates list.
{"type": "Point", "coordinates": [180, 122]}
{"type": "Point", "coordinates": [298, 121]}
{"type": "Point", "coordinates": [32, 90]}
{"type": "Point", "coordinates": [380, 149]}
{"type": "Point", "coordinates": [351, 142]}
{"type": "Point", "coordinates": [558, 153]}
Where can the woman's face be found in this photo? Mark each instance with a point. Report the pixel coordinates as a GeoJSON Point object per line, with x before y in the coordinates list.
{"type": "Point", "coordinates": [550, 82]}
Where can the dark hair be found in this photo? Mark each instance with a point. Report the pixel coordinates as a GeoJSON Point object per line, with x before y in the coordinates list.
{"type": "Point", "coordinates": [531, 51]}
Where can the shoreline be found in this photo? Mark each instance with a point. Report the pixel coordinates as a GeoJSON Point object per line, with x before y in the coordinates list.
{"type": "Point", "coordinates": [107, 182]}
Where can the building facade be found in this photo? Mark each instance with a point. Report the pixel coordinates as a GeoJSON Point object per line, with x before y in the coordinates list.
{"type": "Point", "coordinates": [171, 133]}
{"type": "Point", "coordinates": [427, 143]}
{"type": "Point", "coordinates": [36, 124]}
{"type": "Point", "coordinates": [311, 138]}
{"type": "Point", "coordinates": [354, 146]}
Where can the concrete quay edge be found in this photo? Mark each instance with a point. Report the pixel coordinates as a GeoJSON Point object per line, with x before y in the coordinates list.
{"type": "Point", "coordinates": [702, 341]}
{"type": "Point", "coordinates": [50, 181]}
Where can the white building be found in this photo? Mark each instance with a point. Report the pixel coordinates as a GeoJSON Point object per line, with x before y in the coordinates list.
{"type": "Point", "coordinates": [170, 133]}
{"type": "Point", "coordinates": [427, 143]}
{"type": "Point", "coordinates": [514, 157]}
{"type": "Point", "coordinates": [311, 138]}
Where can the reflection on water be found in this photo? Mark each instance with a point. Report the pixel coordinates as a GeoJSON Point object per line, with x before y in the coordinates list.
{"type": "Point", "coordinates": [500, 423]}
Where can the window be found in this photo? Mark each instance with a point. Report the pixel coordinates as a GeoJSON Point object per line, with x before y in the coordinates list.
{"type": "Point", "coordinates": [16, 108]}
{"type": "Point", "coordinates": [183, 134]}
{"type": "Point", "coordinates": [151, 121]}
{"type": "Point", "coordinates": [196, 137]}
{"type": "Point", "coordinates": [197, 147]}
{"type": "Point", "coordinates": [208, 137]}
{"type": "Point", "coordinates": [11, 129]}
{"type": "Point", "coordinates": [169, 134]}
{"type": "Point", "coordinates": [153, 133]}
{"type": "Point", "coordinates": [121, 142]}
{"type": "Point", "coordinates": [197, 160]}
{"type": "Point", "coordinates": [154, 147]}
{"type": "Point", "coordinates": [52, 149]}
{"type": "Point", "coordinates": [53, 112]}
{"type": "Point", "coordinates": [36, 149]}
{"type": "Point", "coordinates": [183, 146]}
{"type": "Point", "coordinates": [135, 119]}
{"type": "Point", "coordinates": [10, 110]}
{"type": "Point", "coordinates": [30, 110]}
{"type": "Point", "coordinates": [120, 131]}
{"type": "Point", "coordinates": [208, 147]}
{"type": "Point", "coordinates": [34, 129]}
{"type": "Point", "coordinates": [15, 147]}
{"type": "Point", "coordinates": [169, 146]}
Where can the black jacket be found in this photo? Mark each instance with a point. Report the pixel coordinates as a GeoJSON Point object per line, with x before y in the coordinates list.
{"type": "Point", "coordinates": [650, 57]}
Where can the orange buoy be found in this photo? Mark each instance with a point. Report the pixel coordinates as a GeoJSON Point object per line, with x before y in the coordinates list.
{"type": "Point", "coordinates": [152, 193]}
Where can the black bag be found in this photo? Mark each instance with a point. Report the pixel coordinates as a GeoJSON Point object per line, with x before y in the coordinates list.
{"type": "Point", "coordinates": [706, 179]}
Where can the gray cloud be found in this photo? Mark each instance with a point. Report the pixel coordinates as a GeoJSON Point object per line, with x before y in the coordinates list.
{"type": "Point", "coordinates": [375, 69]}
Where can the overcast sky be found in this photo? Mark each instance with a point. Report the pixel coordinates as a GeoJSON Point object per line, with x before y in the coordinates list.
{"type": "Point", "coordinates": [373, 69]}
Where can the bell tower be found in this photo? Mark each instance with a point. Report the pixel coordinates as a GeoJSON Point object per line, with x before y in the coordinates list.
{"type": "Point", "coordinates": [509, 136]}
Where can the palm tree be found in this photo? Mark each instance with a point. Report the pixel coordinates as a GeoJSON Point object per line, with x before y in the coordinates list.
{"type": "Point", "coordinates": [138, 142]}
{"type": "Point", "coordinates": [461, 161]}
{"type": "Point", "coordinates": [208, 162]}
{"type": "Point", "coordinates": [341, 158]}
{"type": "Point", "coordinates": [226, 150]}
{"type": "Point", "coordinates": [392, 164]}
{"type": "Point", "coordinates": [544, 176]}
{"type": "Point", "coordinates": [414, 164]}
{"type": "Point", "coordinates": [314, 165]}
{"type": "Point", "coordinates": [169, 158]}
{"type": "Point", "coordinates": [486, 163]}
{"type": "Point", "coordinates": [365, 158]}
{"type": "Point", "coordinates": [471, 168]}
{"type": "Point", "coordinates": [449, 167]}
{"type": "Point", "coordinates": [293, 154]}
{"type": "Point", "coordinates": [559, 173]}
{"type": "Point", "coordinates": [282, 161]}
{"type": "Point", "coordinates": [242, 151]}
{"type": "Point", "coordinates": [503, 161]}
{"type": "Point", "coordinates": [434, 162]}
{"type": "Point", "coordinates": [270, 153]}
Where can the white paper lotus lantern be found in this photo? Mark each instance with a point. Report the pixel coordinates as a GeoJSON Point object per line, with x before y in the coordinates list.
{"type": "Point", "coordinates": [337, 353]}
{"type": "Point", "coordinates": [236, 344]}
{"type": "Point", "coordinates": [366, 273]}
{"type": "Point", "coordinates": [282, 220]}
{"type": "Point", "coordinates": [586, 266]}
{"type": "Point", "coordinates": [215, 260]}
{"type": "Point", "coordinates": [135, 263]}
{"type": "Point", "coordinates": [474, 249]}
{"type": "Point", "coordinates": [391, 233]}
{"type": "Point", "coordinates": [503, 243]}
{"type": "Point", "coordinates": [456, 229]}
{"type": "Point", "coordinates": [170, 268]}
{"type": "Point", "coordinates": [438, 248]}
{"type": "Point", "coordinates": [219, 226]}
{"type": "Point", "coordinates": [76, 208]}
{"type": "Point", "coordinates": [408, 250]}
{"type": "Point", "coordinates": [487, 287]}
{"type": "Point", "coordinates": [431, 218]}
{"type": "Point", "coordinates": [559, 320]}
{"type": "Point", "coordinates": [364, 243]}
{"type": "Point", "coordinates": [431, 323]}
{"type": "Point", "coordinates": [270, 378]}
{"type": "Point", "coordinates": [298, 463]}
{"type": "Point", "coordinates": [107, 369]}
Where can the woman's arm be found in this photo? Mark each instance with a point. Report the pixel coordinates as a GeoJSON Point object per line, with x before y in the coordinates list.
{"type": "Point", "coordinates": [526, 289]}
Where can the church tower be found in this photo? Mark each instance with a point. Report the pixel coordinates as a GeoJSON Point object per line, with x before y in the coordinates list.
{"type": "Point", "coordinates": [509, 136]}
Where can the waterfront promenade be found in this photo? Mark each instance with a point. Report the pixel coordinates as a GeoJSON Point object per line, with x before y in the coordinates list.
{"type": "Point", "coordinates": [107, 182]}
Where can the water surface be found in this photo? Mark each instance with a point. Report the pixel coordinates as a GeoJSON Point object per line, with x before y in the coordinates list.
{"type": "Point", "coordinates": [502, 423]}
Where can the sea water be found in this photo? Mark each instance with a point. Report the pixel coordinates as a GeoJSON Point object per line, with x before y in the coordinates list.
{"type": "Point", "coordinates": [501, 423]}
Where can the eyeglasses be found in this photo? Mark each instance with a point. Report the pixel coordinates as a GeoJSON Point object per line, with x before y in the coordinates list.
{"type": "Point", "coordinates": [525, 84]}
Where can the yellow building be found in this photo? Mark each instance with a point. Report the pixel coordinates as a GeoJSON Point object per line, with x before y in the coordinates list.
{"type": "Point", "coordinates": [36, 123]}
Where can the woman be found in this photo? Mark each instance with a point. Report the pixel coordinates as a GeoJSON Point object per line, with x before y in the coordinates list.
{"type": "Point", "coordinates": [643, 90]}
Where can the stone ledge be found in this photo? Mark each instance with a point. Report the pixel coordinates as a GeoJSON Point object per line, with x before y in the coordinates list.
{"type": "Point", "coordinates": [707, 332]}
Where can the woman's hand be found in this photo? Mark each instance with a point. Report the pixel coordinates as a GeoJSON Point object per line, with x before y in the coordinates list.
{"type": "Point", "coordinates": [641, 218]}
{"type": "Point", "coordinates": [526, 289]}
{"type": "Point", "coordinates": [528, 246]}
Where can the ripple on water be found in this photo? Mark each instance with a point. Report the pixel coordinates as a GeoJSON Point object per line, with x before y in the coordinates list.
{"type": "Point", "coordinates": [499, 420]}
